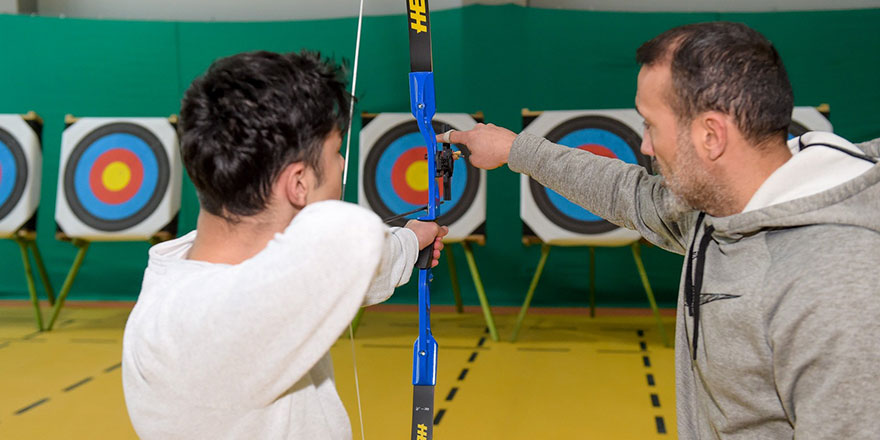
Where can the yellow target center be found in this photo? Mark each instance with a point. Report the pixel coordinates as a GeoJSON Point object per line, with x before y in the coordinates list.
{"type": "Point", "coordinates": [417, 175]}
{"type": "Point", "coordinates": [116, 176]}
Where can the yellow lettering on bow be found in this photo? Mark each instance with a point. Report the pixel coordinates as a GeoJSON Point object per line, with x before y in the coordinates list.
{"type": "Point", "coordinates": [418, 20]}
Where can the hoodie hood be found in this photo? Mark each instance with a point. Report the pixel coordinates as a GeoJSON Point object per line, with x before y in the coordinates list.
{"type": "Point", "coordinates": [855, 202]}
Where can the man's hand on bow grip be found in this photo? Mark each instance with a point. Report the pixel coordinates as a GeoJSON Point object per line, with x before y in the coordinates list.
{"type": "Point", "coordinates": [428, 233]}
{"type": "Point", "coordinates": [489, 144]}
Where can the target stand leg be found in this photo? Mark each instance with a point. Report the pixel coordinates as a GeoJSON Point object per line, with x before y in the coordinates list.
{"type": "Point", "coordinates": [481, 293]}
{"type": "Point", "coordinates": [32, 287]}
{"type": "Point", "coordinates": [83, 246]}
{"type": "Point", "coordinates": [637, 256]}
{"type": "Point", "coordinates": [545, 252]}
{"type": "Point", "coordinates": [41, 269]}
{"type": "Point", "coordinates": [453, 277]}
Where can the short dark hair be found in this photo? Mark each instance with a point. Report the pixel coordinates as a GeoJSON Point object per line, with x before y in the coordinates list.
{"type": "Point", "coordinates": [252, 114]}
{"type": "Point", "coordinates": [725, 67]}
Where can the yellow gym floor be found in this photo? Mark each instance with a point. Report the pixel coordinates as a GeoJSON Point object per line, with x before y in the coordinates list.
{"type": "Point", "coordinates": [568, 376]}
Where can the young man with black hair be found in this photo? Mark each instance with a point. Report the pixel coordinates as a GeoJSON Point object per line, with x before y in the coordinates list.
{"type": "Point", "coordinates": [778, 326]}
{"type": "Point", "coordinates": [231, 333]}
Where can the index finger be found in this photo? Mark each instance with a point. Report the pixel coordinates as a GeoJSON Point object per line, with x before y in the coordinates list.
{"type": "Point", "coordinates": [455, 137]}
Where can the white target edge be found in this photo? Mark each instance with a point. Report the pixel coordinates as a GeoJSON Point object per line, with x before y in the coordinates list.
{"type": "Point", "coordinates": [378, 126]}
{"type": "Point", "coordinates": [30, 199]}
{"type": "Point", "coordinates": [166, 210]}
{"type": "Point", "coordinates": [811, 119]}
{"type": "Point", "coordinates": [543, 227]}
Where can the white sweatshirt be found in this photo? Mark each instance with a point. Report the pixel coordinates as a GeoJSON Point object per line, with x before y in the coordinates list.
{"type": "Point", "coordinates": [216, 351]}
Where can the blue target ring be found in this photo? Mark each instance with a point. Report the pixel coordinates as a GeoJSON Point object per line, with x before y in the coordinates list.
{"type": "Point", "coordinates": [13, 172]}
{"type": "Point", "coordinates": [135, 142]}
{"type": "Point", "coordinates": [8, 171]}
{"type": "Point", "coordinates": [148, 161]}
{"type": "Point", "coordinates": [602, 136]}
{"type": "Point", "coordinates": [390, 191]}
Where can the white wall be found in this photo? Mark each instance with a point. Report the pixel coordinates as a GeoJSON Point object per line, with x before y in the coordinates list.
{"type": "Point", "coordinates": [268, 10]}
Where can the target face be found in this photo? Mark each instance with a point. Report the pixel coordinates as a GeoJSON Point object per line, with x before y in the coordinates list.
{"type": "Point", "coordinates": [13, 172]}
{"type": "Point", "coordinates": [599, 135]}
{"type": "Point", "coordinates": [396, 177]}
{"type": "Point", "coordinates": [116, 176]}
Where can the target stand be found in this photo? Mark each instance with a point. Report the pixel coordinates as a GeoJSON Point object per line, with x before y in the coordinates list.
{"type": "Point", "coordinates": [549, 219]}
{"type": "Point", "coordinates": [393, 181]}
{"type": "Point", "coordinates": [21, 162]}
{"type": "Point", "coordinates": [119, 180]}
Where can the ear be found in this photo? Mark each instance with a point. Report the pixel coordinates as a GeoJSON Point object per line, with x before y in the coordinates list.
{"type": "Point", "coordinates": [294, 184]}
{"type": "Point", "coordinates": [713, 129]}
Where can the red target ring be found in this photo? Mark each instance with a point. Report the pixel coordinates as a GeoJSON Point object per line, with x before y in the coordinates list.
{"type": "Point", "coordinates": [106, 182]}
{"type": "Point", "coordinates": [399, 181]}
{"type": "Point", "coordinates": [598, 150]}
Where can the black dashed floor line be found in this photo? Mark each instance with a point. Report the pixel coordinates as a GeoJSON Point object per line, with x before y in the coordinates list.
{"type": "Point", "coordinates": [655, 400]}
{"type": "Point", "coordinates": [451, 394]}
{"type": "Point", "coordinates": [661, 425]}
{"type": "Point", "coordinates": [32, 406]}
{"type": "Point", "coordinates": [651, 380]}
{"type": "Point", "coordinates": [112, 367]}
{"type": "Point", "coordinates": [82, 382]}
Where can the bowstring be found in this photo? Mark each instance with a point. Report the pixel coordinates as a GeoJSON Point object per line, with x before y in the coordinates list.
{"type": "Point", "coordinates": [357, 52]}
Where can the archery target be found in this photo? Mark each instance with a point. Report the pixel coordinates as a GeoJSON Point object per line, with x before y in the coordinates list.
{"type": "Point", "coordinates": [804, 119]}
{"type": "Point", "coordinates": [20, 169]}
{"type": "Point", "coordinates": [393, 174]}
{"type": "Point", "coordinates": [552, 217]}
{"type": "Point", "coordinates": [119, 178]}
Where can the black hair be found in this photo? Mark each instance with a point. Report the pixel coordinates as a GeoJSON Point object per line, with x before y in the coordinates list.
{"type": "Point", "coordinates": [251, 115]}
{"type": "Point", "coordinates": [725, 67]}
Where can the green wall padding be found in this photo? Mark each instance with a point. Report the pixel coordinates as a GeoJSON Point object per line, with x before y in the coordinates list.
{"type": "Point", "coordinates": [494, 59]}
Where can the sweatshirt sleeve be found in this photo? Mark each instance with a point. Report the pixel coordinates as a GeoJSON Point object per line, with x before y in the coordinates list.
{"type": "Point", "coordinates": [400, 251]}
{"type": "Point", "coordinates": [824, 335]}
{"type": "Point", "coordinates": [623, 194]}
{"type": "Point", "coordinates": [264, 324]}
{"type": "Point", "coordinates": [871, 148]}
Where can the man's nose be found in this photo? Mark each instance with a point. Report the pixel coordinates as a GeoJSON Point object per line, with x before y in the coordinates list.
{"type": "Point", "coordinates": [647, 147]}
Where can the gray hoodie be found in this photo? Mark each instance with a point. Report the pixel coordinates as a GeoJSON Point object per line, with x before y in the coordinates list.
{"type": "Point", "coordinates": [784, 339]}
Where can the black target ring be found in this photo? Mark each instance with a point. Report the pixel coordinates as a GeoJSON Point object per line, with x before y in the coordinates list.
{"type": "Point", "coordinates": [796, 129]}
{"type": "Point", "coordinates": [371, 191]}
{"type": "Point", "coordinates": [21, 172]}
{"type": "Point", "coordinates": [539, 193]}
{"type": "Point", "coordinates": [162, 169]}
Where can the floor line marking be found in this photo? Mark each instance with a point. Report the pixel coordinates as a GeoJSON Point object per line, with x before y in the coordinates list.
{"type": "Point", "coordinates": [82, 382]}
{"type": "Point", "coordinates": [32, 406]}
{"type": "Point", "coordinates": [439, 416]}
{"type": "Point", "coordinates": [451, 394]}
{"type": "Point", "coordinates": [655, 400]}
{"type": "Point", "coordinates": [661, 425]}
{"type": "Point", "coordinates": [464, 372]}
{"type": "Point", "coordinates": [473, 357]}
{"type": "Point", "coordinates": [112, 367]}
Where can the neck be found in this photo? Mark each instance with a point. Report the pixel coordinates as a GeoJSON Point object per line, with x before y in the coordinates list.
{"type": "Point", "coordinates": [745, 180]}
{"type": "Point", "coordinates": [219, 241]}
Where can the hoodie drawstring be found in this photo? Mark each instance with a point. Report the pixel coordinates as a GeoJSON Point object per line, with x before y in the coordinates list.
{"type": "Point", "coordinates": [694, 277]}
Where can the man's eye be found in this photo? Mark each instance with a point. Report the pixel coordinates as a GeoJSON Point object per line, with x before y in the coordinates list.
{"type": "Point", "coordinates": [647, 125]}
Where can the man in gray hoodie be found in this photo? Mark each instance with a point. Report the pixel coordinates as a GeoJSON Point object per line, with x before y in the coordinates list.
{"type": "Point", "coordinates": [778, 325]}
